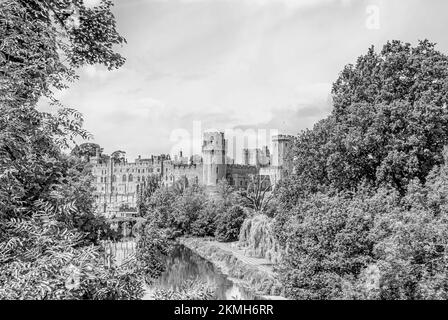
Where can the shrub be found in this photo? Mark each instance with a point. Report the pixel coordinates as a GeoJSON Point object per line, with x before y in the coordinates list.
{"type": "Point", "coordinates": [152, 250]}
{"type": "Point", "coordinates": [369, 245]}
{"type": "Point", "coordinates": [42, 259]}
{"type": "Point", "coordinates": [186, 208]}
{"type": "Point", "coordinates": [159, 207]}
{"type": "Point", "coordinates": [228, 224]}
{"type": "Point", "coordinates": [205, 224]}
{"type": "Point", "coordinates": [192, 289]}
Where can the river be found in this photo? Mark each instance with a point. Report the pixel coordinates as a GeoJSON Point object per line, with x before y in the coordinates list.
{"type": "Point", "coordinates": [184, 264]}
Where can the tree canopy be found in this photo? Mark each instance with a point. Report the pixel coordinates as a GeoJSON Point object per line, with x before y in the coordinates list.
{"type": "Point", "coordinates": [388, 126]}
{"type": "Point", "coordinates": [46, 198]}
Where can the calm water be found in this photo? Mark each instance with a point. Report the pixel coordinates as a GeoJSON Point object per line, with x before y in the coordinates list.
{"type": "Point", "coordinates": [184, 264]}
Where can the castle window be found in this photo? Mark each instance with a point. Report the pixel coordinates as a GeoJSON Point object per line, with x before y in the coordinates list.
{"type": "Point", "coordinates": [124, 178]}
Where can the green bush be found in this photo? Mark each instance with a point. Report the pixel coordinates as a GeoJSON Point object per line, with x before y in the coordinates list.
{"type": "Point", "coordinates": [153, 247]}
{"type": "Point", "coordinates": [368, 245]}
{"type": "Point", "coordinates": [228, 224]}
{"type": "Point", "coordinates": [205, 223]}
{"type": "Point", "coordinates": [186, 208]}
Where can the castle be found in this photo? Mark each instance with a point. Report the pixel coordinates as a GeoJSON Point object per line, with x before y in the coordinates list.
{"type": "Point", "coordinates": [119, 183]}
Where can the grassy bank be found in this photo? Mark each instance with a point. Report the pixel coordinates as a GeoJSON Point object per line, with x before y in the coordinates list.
{"type": "Point", "coordinates": [255, 274]}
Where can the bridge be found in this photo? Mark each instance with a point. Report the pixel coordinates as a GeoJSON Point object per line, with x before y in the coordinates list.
{"type": "Point", "coordinates": [124, 222]}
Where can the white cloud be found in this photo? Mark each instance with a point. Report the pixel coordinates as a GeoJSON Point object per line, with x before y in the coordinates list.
{"type": "Point", "coordinates": [91, 3]}
{"type": "Point", "coordinates": [287, 3]}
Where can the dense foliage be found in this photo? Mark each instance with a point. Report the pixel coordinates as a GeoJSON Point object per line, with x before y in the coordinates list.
{"type": "Point", "coordinates": [190, 210]}
{"type": "Point", "coordinates": [152, 249]}
{"type": "Point", "coordinates": [47, 224]}
{"type": "Point", "coordinates": [388, 126]}
{"type": "Point", "coordinates": [364, 212]}
{"type": "Point", "coordinates": [229, 223]}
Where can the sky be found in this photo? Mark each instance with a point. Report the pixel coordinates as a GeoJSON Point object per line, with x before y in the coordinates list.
{"type": "Point", "coordinates": [234, 64]}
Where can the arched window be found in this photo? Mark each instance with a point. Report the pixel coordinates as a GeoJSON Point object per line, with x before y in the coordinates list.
{"type": "Point", "coordinates": [130, 178]}
{"type": "Point", "coordinates": [114, 178]}
{"type": "Point", "coordinates": [124, 178]}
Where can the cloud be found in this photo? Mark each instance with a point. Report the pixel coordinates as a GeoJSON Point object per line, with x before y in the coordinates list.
{"type": "Point", "coordinates": [91, 3]}
{"type": "Point", "coordinates": [287, 3]}
{"type": "Point", "coordinates": [233, 64]}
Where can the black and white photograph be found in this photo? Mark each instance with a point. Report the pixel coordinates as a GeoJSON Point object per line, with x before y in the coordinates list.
{"type": "Point", "coordinates": [247, 152]}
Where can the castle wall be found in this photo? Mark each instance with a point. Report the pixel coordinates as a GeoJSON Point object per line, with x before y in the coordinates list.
{"type": "Point", "coordinates": [118, 185]}
{"type": "Point", "coordinates": [239, 175]}
{"type": "Point", "coordinates": [176, 172]}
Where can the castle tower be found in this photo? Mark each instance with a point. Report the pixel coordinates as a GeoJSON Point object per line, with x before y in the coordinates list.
{"type": "Point", "coordinates": [281, 144]}
{"type": "Point", "coordinates": [214, 155]}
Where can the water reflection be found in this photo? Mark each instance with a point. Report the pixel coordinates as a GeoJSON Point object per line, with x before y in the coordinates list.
{"type": "Point", "coordinates": [184, 264]}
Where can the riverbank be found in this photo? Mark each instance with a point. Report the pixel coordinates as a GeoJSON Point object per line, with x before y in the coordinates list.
{"type": "Point", "coordinates": [255, 274]}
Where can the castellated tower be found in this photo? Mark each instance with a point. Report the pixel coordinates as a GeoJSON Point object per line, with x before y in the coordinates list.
{"type": "Point", "coordinates": [214, 158]}
{"type": "Point", "coordinates": [281, 145]}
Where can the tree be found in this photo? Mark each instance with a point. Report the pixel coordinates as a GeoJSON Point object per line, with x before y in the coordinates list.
{"type": "Point", "coordinates": [86, 150]}
{"type": "Point", "coordinates": [187, 207]}
{"type": "Point", "coordinates": [228, 223]}
{"type": "Point", "coordinates": [46, 197]}
{"type": "Point", "coordinates": [118, 156]}
{"type": "Point", "coordinates": [258, 192]}
{"type": "Point", "coordinates": [42, 46]}
{"type": "Point", "coordinates": [399, 72]}
{"type": "Point", "coordinates": [149, 188]}
{"type": "Point", "coordinates": [388, 126]}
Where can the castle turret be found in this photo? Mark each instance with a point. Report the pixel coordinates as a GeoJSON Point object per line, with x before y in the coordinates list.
{"type": "Point", "coordinates": [214, 155]}
{"type": "Point", "coordinates": [281, 145]}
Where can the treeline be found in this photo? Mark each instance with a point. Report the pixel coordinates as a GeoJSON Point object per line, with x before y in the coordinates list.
{"type": "Point", "coordinates": [364, 212]}
{"type": "Point", "coordinates": [183, 210]}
